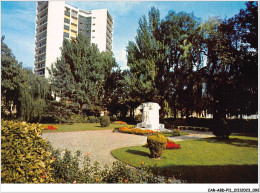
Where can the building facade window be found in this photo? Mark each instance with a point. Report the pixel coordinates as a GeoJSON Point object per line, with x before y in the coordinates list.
{"type": "Point", "coordinates": [66, 20]}
{"type": "Point", "coordinates": [67, 13]}
{"type": "Point", "coordinates": [74, 14]}
{"type": "Point", "coordinates": [66, 35]}
{"type": "Point", "coordinates": [66, 27]}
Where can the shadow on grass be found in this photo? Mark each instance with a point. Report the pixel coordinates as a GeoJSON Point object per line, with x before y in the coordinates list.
{"type": "Point", "coordinates": [233, 141]}
{"type": "Point", "coordinates": [211, 174]}
{"type": "Point", "coordinates": [246, 134]}
{"type": "Point", "coordinates": [137, 152]}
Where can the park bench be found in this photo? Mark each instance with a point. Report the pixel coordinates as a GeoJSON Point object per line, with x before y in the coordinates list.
{"type": "Point", "coordinates": [193, 128]}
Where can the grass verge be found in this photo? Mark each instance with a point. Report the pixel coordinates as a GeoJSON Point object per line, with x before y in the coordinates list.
{"type": "Point", "coordinates": [81, 127]}
{"type": "Point", "coordinates": [202, 161]}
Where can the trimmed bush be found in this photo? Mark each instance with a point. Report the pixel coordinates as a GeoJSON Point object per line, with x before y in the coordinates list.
{"type": "Point", "coordinates": [79, 119]}
{"type": "Point", "coordinates": [156, 143]}
{"type": "Point", "coordinates": [221, 129]}
{"type": "Point", "coordinates": [105, 121]}
{"type": "Point", "coordinates": [24, 157]}
{"type": "Point", "coordinates": [93, 119]}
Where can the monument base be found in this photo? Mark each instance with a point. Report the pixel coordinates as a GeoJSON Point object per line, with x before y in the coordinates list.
{"type": "Point", "coordinates": [150, 126]}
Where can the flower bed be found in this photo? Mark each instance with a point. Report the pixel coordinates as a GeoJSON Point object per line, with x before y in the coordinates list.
{"type": "Point", "coordinates": [119, 122]}
{"type": "Point", "coordinates": [136, 131]}
{"type": "Point", "coordinates": [51, 127]}
{"type": "Point", "coordinates": [172, 145]}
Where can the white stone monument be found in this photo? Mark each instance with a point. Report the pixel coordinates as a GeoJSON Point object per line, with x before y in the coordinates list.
{"type": "Point", "coordinates": [150, 118]}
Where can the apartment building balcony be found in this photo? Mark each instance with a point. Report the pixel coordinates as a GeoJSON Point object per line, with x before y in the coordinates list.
{"type": "Point", "coordinates": [74, 22]}
{"type": "Point", "coordinates": [108, 46]}
{"type": "Point", "coordinates": [42, 17]}
{"type": "Point", "coordinates": [36, 62]}
{"type": "Point", "coordinates": [40, 54]}
{"type": "Point", "coordinates": [38, 47]}
{"type": "Point", "coordinates": [67, 13]}
{"type": "Point", "coordinates": [40, 72]}
{"type": "Point", "coordinates": [42, 24]}
{"type": "Point", "coordinates": [109, 34]}
{"type": "Point", "coordinates": [42, 8]}
{"type": "Point", "coordinates": [109, 16]}
{"type": "Point", "coordinates": [110, 22]}
{"type": "Point", "coordinates": [39, 66]}
{"type": "Point", "coordinates": [109, 27]}
{"type": "Point", "coordinates": [41, 33]}
{"type": "Point", "coordinates": [41, 38]}
{"type": "Point", "coordinates": [41, 4]}
{"type": "Point", "coordinates": [42, 11]}
{"type": "Point", "coordinates": [109, 40]}
{"type": "Point", "coordinates": [40, 44]}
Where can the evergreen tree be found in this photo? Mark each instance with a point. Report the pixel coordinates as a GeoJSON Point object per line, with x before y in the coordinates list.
{"type": "Point", "coordinates": [80, 73]}
{"type": "Point", "coordinates": [146, 58]}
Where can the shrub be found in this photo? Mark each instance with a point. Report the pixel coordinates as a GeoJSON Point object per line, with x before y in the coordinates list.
{"type": "Point", "coordinates": [67, 170]}
{"type": "Point", "coordinates": [24, 153]}
{"type": "Point", "coordinates": [221, 129]}
{"type": "Point", "coordinates": [79, 119]}
{"type": "Point", "coordinates": [156, 143]}
{"type": "Point", "coordinates": [136, 131]}
{"type": "Point", "coordinates": [243, 125]}
{"type": "Point", "coordinates": [105, 121]}
{"type": "Point", "coordinates": [93, 119]}
{"type": "Point", "coordinates": [65, 167]}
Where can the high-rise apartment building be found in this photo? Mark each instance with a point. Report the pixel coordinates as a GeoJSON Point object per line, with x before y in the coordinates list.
{"type": "Point", "coordinates": [56, 20]}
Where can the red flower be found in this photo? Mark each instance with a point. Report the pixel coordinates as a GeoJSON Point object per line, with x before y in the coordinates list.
{"type": "Point", "coordinates": [172, 145]}
{"type": "Point", "coordinates": [50, 127]}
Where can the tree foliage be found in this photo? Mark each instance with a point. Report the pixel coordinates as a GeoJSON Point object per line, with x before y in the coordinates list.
{"type": "Point", "coordinates": [190, 65]}
{"type": "Point", "coordinates": [24, 94]}
{"type": "Point", "coordinates": [81, 72]}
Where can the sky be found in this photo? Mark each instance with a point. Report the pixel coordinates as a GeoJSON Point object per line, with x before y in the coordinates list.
{"type": "Point", "coordinates": [18, 21]}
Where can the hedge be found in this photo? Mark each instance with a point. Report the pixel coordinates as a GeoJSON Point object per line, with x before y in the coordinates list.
{"type": "Point", "coordinates": [24, 153]}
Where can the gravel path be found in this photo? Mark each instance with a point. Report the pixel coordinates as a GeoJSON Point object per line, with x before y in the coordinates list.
{"type": "Point", "coordinates": [100, 143]}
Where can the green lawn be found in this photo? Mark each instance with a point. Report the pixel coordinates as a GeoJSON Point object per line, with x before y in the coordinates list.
{"type": "Point", "coordinates": [82, 127]}
{"type": "Point", "coordinates": [202, 161]}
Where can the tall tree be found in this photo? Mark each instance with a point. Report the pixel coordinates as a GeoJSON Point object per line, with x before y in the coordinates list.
{"type": "Point", "coordinates": [147, 60]}
{"type": "Point", "coordinates": [21, 89]}
{"type": "Point", "coordinates": [33, 97]}
{"type": "Point", "coordinates": [10, 79]}
{"type": "Point", "coordinates": [79, 74]}
{"type": "Point", "coordinates": [231, 68]}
